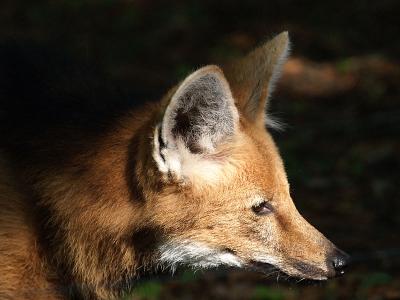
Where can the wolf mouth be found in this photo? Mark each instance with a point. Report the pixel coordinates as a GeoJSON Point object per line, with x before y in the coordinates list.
{"type": "Point", "coordinates": [304, 272]}
{"type": "Point", "coordinates": [262, 267]}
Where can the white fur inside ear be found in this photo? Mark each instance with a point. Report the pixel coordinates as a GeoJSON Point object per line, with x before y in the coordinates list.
{"type": "Point", "coordinates": [183, 164]}
{"type": "Point", "coordinates": [167, 160]}
{"type": "Point", "coordinates": [195, 254]}
{"type": "Point", "coordinates": [201, 116]}
{"type": "Point", "coordinates": [205, 104]}
{"type": "Point", "coordinates": [161, 163]}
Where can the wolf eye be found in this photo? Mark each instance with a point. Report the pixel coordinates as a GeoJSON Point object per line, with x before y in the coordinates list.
{"type": "Point", "coordinates": [262, 208]}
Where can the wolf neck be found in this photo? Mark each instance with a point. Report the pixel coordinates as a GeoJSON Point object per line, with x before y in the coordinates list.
{"type": "Point", "coordinates": [113, 166]}
{"type": "Point", "coordinates": [111, 186]}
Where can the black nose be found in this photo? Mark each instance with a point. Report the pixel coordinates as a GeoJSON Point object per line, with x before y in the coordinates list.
{"type": "Point", "coordinates": [340, 260]}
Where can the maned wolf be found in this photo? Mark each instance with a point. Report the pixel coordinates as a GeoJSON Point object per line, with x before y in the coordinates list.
{"type": "Point", "coordinates": [94, 191]}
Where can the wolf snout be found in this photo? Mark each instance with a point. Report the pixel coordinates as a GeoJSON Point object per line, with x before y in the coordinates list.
{"type": "Point", "coordinates": [338, 261]}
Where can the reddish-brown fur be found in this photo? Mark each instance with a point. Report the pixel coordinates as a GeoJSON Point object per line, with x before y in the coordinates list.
{"type": "Point", "coordinates": [90, 224]}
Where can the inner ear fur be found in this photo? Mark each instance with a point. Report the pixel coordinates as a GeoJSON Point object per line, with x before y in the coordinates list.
{"type": "Point", "coordinates": [199, 121]}
{"type": "Point", "coordinates": [201, 113]}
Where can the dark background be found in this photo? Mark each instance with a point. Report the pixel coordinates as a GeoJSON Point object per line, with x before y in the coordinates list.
{"type": "Point", "coordinates": [339, 95]}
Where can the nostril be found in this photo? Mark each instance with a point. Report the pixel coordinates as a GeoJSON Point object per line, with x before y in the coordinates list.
{"type": "Point", "coordinates": [340, 261]}
{"type": "Point", "coordinates": [339, 265]}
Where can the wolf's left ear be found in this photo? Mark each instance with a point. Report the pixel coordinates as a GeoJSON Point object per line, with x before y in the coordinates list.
{"type": "Point", "coordinates": [252, 78]}
{"type": "Point", "coordinates": [200, 116]}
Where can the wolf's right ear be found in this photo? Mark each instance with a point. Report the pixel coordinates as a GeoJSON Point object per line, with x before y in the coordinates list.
{"type": "Point", "coordinates": [200, 116]}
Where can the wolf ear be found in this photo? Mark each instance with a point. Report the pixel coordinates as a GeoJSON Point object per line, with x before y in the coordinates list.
{"type": "Point", "coordinates": [199, 117]}
{"type": "Point", "coordinates": [252, 78]}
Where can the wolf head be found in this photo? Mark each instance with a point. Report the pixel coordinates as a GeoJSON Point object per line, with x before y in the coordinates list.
{"type": "Point", "coordinates": [225, 198]}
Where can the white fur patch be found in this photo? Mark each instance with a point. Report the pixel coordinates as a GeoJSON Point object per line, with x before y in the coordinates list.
{"type": "Point", "coordinates": [257, 200]}
{"type": "Point", "coordinates": [267, 259]}
{"type": "Point", "coordinates": [274, 123]}
{"type": "Point", "coordinates": [195, 254]}
{"type": "Point", "coordinates": [184, 164]}
{"type": "Point", "coordinates": [162, 165]}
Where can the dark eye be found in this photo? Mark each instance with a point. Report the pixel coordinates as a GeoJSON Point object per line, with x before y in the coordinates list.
{"type": "Point", "coordinates": [262, 208]}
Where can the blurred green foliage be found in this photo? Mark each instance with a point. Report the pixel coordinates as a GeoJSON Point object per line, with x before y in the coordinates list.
{"type": "Point", "coordinates": [266, 293]}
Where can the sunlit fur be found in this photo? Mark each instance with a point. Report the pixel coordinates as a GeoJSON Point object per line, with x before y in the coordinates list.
{"type": "Point", "coordinates": [84, 212]}
{"type": "Point", "coordinates": [197, 255]}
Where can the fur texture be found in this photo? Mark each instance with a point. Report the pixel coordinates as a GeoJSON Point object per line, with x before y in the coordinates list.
{"type": "Point", "coordinates": [95, 191]}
